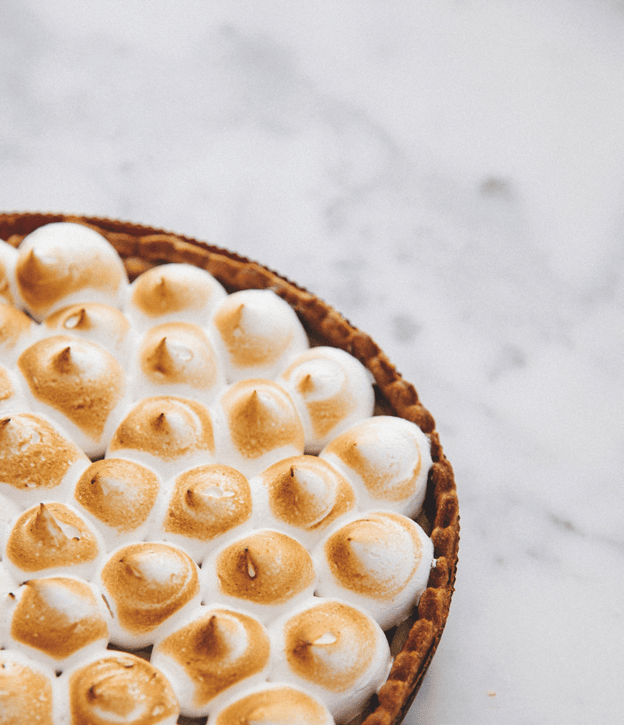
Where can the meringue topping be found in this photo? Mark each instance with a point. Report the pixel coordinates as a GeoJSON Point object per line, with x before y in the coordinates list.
{"type": "Point", "coordinates": [57, 261]}
{"type": "Point", "coordinates": [174, 290]}
{"type": "Point", "coordinates": [16, 328]}
{"type": "Point", "coordinates": [274, 705]}
{"type": "Point", "coordinates": [261, 418]}
{"type": "Point", "coordinates": [51, 536]}
{"type": "Point", "coordinates": [207, 501]}
{"type": "Point", "coordinates": [266, 567]}
{"type": "Point", "coordinates": [34, 457]}
{"type": "Point", "coordinates": [148, 582]}
{"type": "Point", "coordinates": [121, 688]}
{"type": "Point", "coordinates": [306, 492]}
{"type": "Point", "coordinates": [165, 427]}
{"type": "Point", "coordinates": [258, 331]}
{"type": "Point", "coordinates": [78, 378]}
{"type": "Point", "coordinates": [19, 680]}
{"type": "Point", "coordinates": [58, 616]}
{"type": "Point", "coordinates": [178, 354]}
{"type": "Point", "coordinates": [119, 493]}
{"type": "Point", "coordinates": [217, 650]}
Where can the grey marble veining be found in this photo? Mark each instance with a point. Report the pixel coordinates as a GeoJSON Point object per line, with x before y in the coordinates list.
{"type": "Point", "coordinates": [449, 175]}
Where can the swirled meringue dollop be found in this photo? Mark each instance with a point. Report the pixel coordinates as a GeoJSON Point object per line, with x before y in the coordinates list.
{"type": "Point", "coordinates": [165, 433]}
{"type": "Point", "coordinates": [36, 461]}
{"type": "Point", "coordinates": [379, 561]}
{"type": "Point", "coordinates": [117, 688]}
{"type": "Point", "coordinates": [256, 424]}
{"type": "Point", "coordinates": [118, 496]}
{"type": "Point", "coordinates": [20, 678]}
{"type": "Point", "coordinates": [51, 539]}
{"type": "Point", "coordinates": [302, 496]}
{"type": "Point", "coordinates": [17, 332]}
{"type": "Point", "coordinates": [170, 292]}
{"type": "Point", "coordinates": [212, 656]}
{"type": "Point", "coordinates": [58, 621]}
{"type": "Point", "coordinates": [264, 572]}
{"type": "Point", "coordinates": [8, 260]}
{"type": "Point", "coordinates": [206, 506]}
{"type": "Point", "coordinates": [257, 334]}
{"type": "Point", "coordinates": [387, 460]}
{"type": "Point", "coordinates": [273, 704]}
{"type": "Point", "coordinates": [94, 321]}
{"type": "Point", "coordinates": [77, 383]}
{"type": "Point", "coordinates": [334, 650]}
{"type": "Point", "coordinates": [331, 389]}
{"type": "Point", "coordinates": [176, 358]}
{"type": "Point", "coordinates": [148, 586]}
{"type": "Point", "coordinates": [12, 396]}
{"type": "Point", "coordinates": [55, 267]}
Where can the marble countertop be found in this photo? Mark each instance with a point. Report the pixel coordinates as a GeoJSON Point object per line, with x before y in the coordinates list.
{"type": "Point", "coordinates": [450, 175]}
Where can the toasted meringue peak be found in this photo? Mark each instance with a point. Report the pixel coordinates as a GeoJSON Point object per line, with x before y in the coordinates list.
{"type": "Point", "coordinates": [173, 292]}
{"type": "Point", "coordinates": [212, 656]}
{"type": "Point", "coordinates": [17, 332]}
{"type": "Point", "coordinates": [379, 561]}
{"type": "Point", "coordinates": [35, 460]}
{"type": "Point", "coordinates": [20, 678]}
{"type": "Point", "coordinates": [94, 321]}
{"type": "Point", "coordinates": [52, 538]}
{"type": "Point", "coordinates": [177, 359]}
{"type": "Point", "coordinates": [120, 688]}
{"type": "Point", "coordinates": [119, 495]}
{"type": "Point", "coordinates": [206, 503]}
{"type": "Point", "coordinates": [165, 429]}
{"type": "Point", "coordinates": [257, 333]}
{"type": "Point", "coordinates": [274, 704]}
{"type": "Point", "coordinates": [305, 494]}
{"type": "Point", "coordinates": [11, 392]}
{"type": "Point", "coordinates": [265, 570]}
{"type": "Point", "coordinates": [387, 460]}
{"type": "Point", "coordinates": [77, 381]}
{"type": "Point", "coordinates": [55, 265]}
{"type": "Point", "coordinates": [331, 389]}
{"type": "Point", "coordinates": [261, 425]}
{"type": "Point", "coordinates": [146, 584]}
{"type": "Point", "coordinates": [59, 617]}
{"type": "Point", "coordinates": [8, 260]}
{"type": "Point", "coordinates": [334, 649]}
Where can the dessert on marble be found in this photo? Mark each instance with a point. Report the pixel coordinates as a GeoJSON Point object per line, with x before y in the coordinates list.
{"type": "Point", "coordinates": [207, 413]}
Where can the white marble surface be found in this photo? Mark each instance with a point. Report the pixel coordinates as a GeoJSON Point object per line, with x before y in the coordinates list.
{"type": "Point", "coordinates": [450, 175]}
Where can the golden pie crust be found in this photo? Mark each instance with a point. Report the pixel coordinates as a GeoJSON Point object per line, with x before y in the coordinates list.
{"type": "Point", "coordinates": [142, 247]}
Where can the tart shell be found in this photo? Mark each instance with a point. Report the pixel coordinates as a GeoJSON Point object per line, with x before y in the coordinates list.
{"type": "Point", "coordinates": [142, 247]}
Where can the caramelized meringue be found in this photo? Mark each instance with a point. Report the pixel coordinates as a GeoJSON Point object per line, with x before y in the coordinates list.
{"type": "Point", "coordinates": [257, 334]}
{"type": "Point", "coordinates": [331, 389]}
{"type": "Point", "coordinates": [206, 506]}
{"type": "Point", "coordinates": [273, 704]}
{"type": "Point", "coordinates": [94, 321]}
{"type": "Point", "coordinates": [148, 586]}
{"type": "Point", "coordinates": [212, 656]}
{"type": "Point", "coordinates": [176, 358]}
{"type": "Point", "coordinates": [118, 687]}
{"type": "Point", "coordinates": [171, 292]}
{"type": "Point", "coordinates": [58, 621]}
{"type": "Point", "coordinates": [117, 496]}
{"type": "Point", "coordinates": [8, 260]}
{"type": "Point", "coordinates": [387, 460]}
{"type": "Point", "coordinates": [79, 384]}
{"type": "Point", "coordinates": [334, 650]}
{"type": "Point", "coordinates": [165, 433]}
{"type": "Point", "coordinates": [302, 496]}
{"type": "Point", "coordinates": [17, 332]}
{"type": "Point", "coordinates": [20, 679]}
{"type": "Point", "coordinates": [55, 267]}
{"type": "Point", "coordinates": [379, 561]}
{"type": "Point", "coordinates": [36, 461]}
{"type": "Point", "coordinates": [256, 424]}
{"type": "Point", "coordinates": [12, 397]}
{"type": "Point", "coordinates": [265, 573]}
{"type": "Point", "coordinates": [51, 539]}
